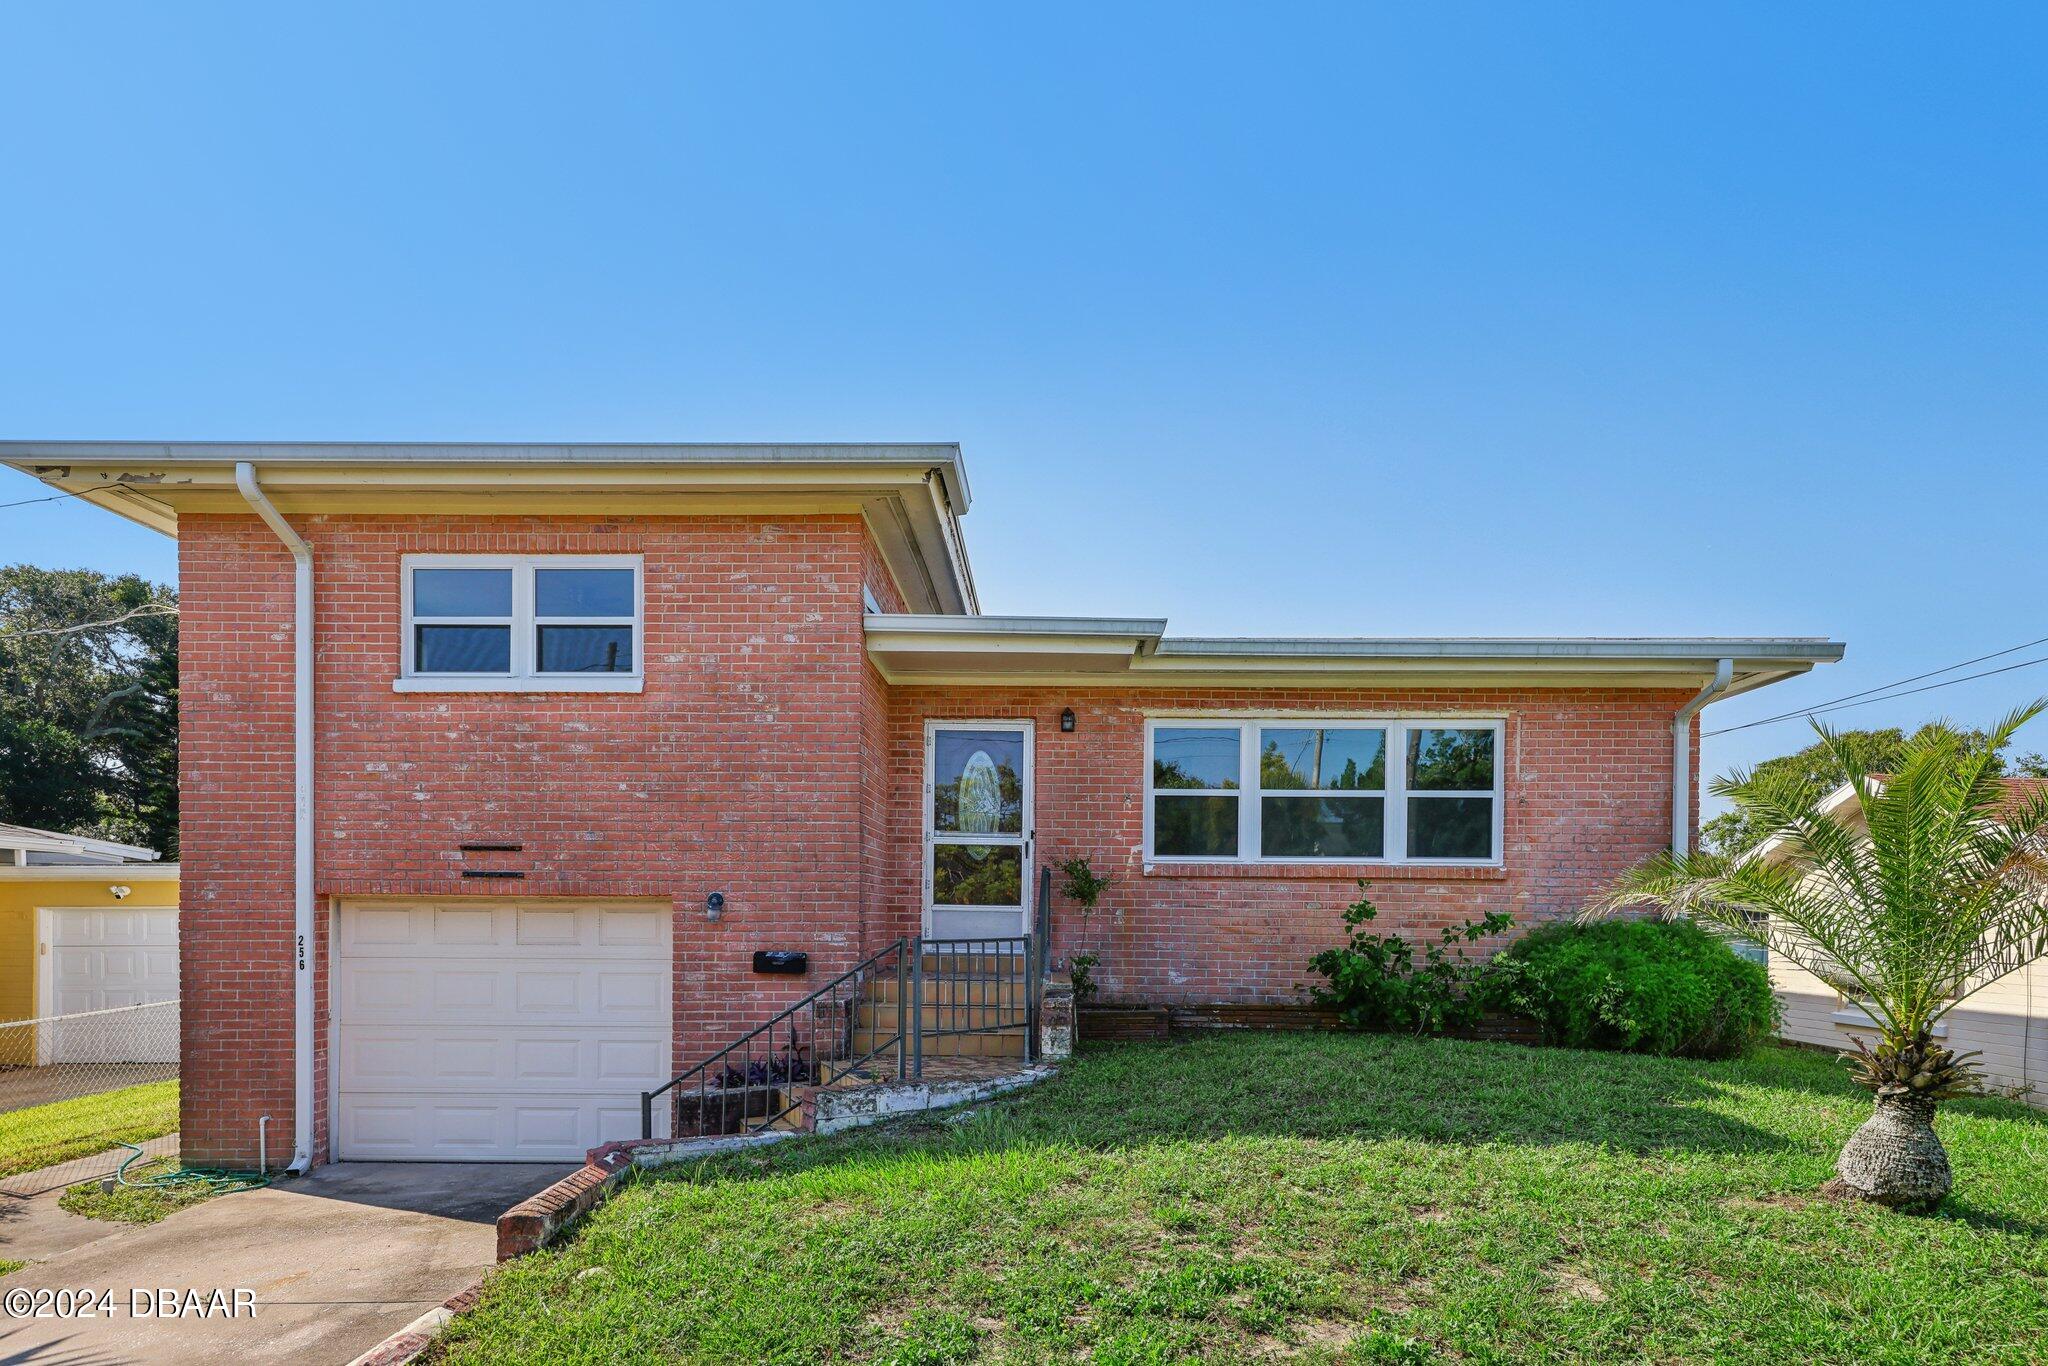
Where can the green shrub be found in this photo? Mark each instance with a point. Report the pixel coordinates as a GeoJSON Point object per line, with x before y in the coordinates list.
{"type": "Point", "coordinates": [1645, 986]}
{"type": "Point", "coordinates": [1375, 982]}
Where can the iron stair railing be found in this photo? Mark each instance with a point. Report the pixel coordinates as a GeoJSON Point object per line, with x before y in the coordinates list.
{"type": "Point", "coordinates": [945, 989]}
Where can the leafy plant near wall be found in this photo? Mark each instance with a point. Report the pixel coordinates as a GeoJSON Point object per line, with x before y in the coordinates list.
{"type": "Point", "coordinates": [1084, 888]}
{"type": "Point", "coordinates": [1375, 982]}
{"type": "Point", "coordinates": [1081, 972]}
{"type": "Point", "coordinates": [1640, 986]}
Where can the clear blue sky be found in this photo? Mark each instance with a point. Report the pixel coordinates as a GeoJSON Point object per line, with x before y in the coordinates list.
{"type": "Point", "coordinates": [1377, 320]}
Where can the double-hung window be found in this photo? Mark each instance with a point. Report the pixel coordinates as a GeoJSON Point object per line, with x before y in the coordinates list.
{"type": "Point", "coordinates": [1323, 790]}
{"type": "Point", "coordinates": [530, 623]}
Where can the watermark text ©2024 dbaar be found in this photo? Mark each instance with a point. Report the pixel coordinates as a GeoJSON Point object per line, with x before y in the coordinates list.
{"type": "Point", "coordinates": [140, 1302]}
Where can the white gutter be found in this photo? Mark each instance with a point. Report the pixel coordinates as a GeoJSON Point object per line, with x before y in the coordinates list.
{"type": "Point", "coordinates": [302, 813]}
{"type": "Point", "coordinates": [1681, 756]}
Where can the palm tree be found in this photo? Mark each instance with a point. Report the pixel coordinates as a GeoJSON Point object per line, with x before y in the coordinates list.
{"type": "Point", "coordinates": [1946, 893]}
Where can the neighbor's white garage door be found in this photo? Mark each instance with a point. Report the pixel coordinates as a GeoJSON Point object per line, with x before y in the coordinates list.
{"type": "Point", "coordinates": [102, 960]}
{"type": "Point", "coordinates": [508, 1031]}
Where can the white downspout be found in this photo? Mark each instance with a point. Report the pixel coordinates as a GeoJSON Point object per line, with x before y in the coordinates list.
{"type": "Point", "coordinates": [1681, 756]}
{"type": "Point", "coordinates": [302, 813]}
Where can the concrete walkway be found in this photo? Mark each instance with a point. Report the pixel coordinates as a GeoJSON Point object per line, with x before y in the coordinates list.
{"type": "Point", "coordinates": [335, 1260]}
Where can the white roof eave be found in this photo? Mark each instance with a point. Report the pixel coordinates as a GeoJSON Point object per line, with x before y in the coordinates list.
{"type": "Point", "coordinates": [932, 646]}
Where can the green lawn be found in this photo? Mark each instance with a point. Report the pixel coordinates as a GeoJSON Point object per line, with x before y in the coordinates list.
{"type": "Point", "coordinates": [1327, 1198]}
{"type": "Point", "coordinates": [44, 1135]}
{"type": "Point", "coordinates": [138, 1204]}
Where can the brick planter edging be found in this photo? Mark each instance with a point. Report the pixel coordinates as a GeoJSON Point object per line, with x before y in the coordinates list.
{"type": "Point", "coordinates": [1155, 1024]}
{"type": "Point", "coordinates": [543, 1217]}
{"type": "Point", "coordinates": [407, 1343]}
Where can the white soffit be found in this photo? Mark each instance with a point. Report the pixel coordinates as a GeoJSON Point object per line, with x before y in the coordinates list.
{"type": "Point", "coordinates": [1071, 650]}
{"type": "Point", "coordinates": [911, 495]}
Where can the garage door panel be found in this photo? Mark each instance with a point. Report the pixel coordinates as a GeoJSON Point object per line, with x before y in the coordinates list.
{"type": "Point", "coordinates": [631, 930]}
{"type": "Point", "coordinates": [509, 1031]}
{"type": "Point", "coordinates": [372, 1060]}
{"type": "Point", "coordinates": [485, 1128]}
{"type": "Point", "coordinates": [106, 959]}
{"type": "Point", "coordinates": [514, 931]}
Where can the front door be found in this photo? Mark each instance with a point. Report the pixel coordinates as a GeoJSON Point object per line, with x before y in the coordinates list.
{"type": "Point", "coordinates": [977, 828]}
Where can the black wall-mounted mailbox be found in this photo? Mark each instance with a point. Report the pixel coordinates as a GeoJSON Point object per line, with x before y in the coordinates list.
{"type": "Point", "coordinates": [795, 962]}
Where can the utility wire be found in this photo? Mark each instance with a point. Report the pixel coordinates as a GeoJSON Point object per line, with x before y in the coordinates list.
{"type": "Point", "coordinates": [68, 493]}
{"type": "Point", "coordinates": [1898, 683]}
{"type": "Point", "coordinates": [1844, 706]}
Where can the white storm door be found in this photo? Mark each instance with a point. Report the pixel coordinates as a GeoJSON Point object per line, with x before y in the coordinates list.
{"type": "Point", "coordinates": [488, 1030]}
{"type": "Point", "coordinates": [977, 828]}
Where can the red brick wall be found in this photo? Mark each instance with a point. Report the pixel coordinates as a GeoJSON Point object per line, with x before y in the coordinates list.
{"type": "Point", "coordinates": [875, 805]}
{"type": "Point", "coordinates": [766, 759]}
{"type": "Point", "coordinates": [1588, 793]}
{"type": "Point", "coordinates": [235, 837]}
{"type": "Point", "coordinates": [736, 770]}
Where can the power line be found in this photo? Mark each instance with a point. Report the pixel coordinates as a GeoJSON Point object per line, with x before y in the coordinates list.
{"type": "Point", "coordinates": [1887, 687]}
{"type": "Point", "coordinates": [68, 493]}
{"type": "Point", "coordinates": [1844, 706]}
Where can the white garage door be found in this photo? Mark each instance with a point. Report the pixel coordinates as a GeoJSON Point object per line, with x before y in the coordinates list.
{"type": "Point", "coordinates": [101, 960]}
{"type": "Point", "coordinates": [496, 1030]}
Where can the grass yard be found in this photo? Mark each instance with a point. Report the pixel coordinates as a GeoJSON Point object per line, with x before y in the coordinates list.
{"type": "Point", "coordinates": [138, 1204]}
{"type": "Point", "coordinates": [44, 1135]}
{"type": "Point", "coordinates": [1355, 1198]}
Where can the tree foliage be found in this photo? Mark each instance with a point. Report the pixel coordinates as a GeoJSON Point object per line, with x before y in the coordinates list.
{"type": "Point", "coordinates": [89, 704]}
{"type": "Point", "coordinates": [1941, 891]}
{"type": "Point", "coordinates": [1819, 769]}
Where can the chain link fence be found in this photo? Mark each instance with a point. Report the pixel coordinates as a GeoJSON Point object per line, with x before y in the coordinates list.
{"type": "Point", "coordinates": [74, 1086]}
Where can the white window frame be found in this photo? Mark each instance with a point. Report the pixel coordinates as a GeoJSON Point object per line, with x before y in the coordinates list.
{"type": "Point", "coordinates": [524, 675]}
{"type": "Point", "coordinates": [1395, 795]}
{"type": "Point", "coordinates": [1025, 840]}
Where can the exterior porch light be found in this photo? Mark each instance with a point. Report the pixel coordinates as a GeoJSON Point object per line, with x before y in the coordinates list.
{"type": "Point", "coordinates": [1067, 719]}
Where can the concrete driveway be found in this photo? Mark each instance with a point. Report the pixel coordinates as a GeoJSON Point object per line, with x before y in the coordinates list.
{"type": "Point", "coordinates": [334, 1261]}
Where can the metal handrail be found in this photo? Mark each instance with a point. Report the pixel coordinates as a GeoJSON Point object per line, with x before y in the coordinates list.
{"type": "Point", "coordinates": [976, 997]}
{"type": "Point", "coordinates": [788, 1014]}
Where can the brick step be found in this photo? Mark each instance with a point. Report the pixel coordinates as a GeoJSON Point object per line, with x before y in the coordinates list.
{"type": "Point", "coordinates": [795, 1119]}
{"type": "Point", "coordinates": [881, 1019]}
{"type": "Point", "coordinates": [881, 1067]}
{"type": "Point", "coordinates": [1007, 990]}
{"type": "Point", "coordinates": [974, 965]}
{"type": "Point", "coordinates": [1008, 1044]}
{"type": "Point", "coordinates": [951, 992]}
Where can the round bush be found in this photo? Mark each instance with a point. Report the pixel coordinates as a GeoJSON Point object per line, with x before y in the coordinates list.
{"type": "Point", "coordinates": [1644, 986]}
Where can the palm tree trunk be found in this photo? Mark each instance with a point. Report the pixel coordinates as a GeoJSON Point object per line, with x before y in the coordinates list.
{"type": "Point", "coordinates": [1895, 1158]}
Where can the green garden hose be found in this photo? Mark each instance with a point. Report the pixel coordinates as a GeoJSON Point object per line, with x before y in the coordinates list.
{"type": "Point", "coordinates": [215, 1180]}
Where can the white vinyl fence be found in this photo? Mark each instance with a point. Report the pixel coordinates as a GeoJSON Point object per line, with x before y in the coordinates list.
{"type": "Point", "coordinates": [46, 1140]}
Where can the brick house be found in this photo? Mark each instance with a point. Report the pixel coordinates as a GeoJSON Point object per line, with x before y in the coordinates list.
{"type": "Point", "coordinates": [501, 763]}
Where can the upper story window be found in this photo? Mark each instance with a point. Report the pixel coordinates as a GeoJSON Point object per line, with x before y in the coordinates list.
{"type": "Point", "coordinates": [525, 623]}
{"type": "Point", "coordinates": [1318, 790]}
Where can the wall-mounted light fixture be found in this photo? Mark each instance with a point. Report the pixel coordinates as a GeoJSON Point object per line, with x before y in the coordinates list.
{"type": "Point", "coordinates": [1067, 719]}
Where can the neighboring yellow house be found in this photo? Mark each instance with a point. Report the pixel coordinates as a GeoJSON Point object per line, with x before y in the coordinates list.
{"type": "Point", "coordinates": [2007, 1021]}
{"type": "Point", "coordinates": [84, 925]}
